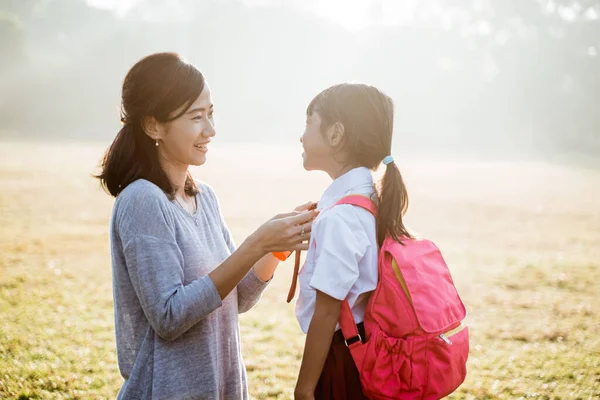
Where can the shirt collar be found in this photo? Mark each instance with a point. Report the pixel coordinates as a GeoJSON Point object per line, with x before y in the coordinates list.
{"type": "Point", "coordinates": [356, 181]}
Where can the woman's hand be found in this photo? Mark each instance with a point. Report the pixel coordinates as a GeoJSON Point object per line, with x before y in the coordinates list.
{"type": "Point", "coordinates": [306, 206]}
{"type": "Point", "coordinates": [290, 231]}
{"type": "Point", "coordinates": [283, 232]}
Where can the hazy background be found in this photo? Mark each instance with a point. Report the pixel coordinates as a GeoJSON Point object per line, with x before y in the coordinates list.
{"type": "Point", "coordinates": [497, 108]}
{"type": "Point", "coordinates": [501, 78]}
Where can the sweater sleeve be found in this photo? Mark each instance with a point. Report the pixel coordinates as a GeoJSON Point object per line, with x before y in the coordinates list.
{"type": "Point", "coordinates": [155, 267]}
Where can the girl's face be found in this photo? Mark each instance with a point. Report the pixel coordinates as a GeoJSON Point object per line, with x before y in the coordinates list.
{"type": "Point", "coordinates": [184, 141]}
{"type": "Point", "coordinates": [317, 153]}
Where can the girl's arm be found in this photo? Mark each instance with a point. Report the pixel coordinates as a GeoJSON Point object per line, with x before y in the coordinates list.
{"type": "Point", "coordinates": [318, 342]}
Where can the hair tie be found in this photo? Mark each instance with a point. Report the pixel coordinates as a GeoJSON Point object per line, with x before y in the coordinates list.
{"type": "Point", "coordinates": [388, 160]}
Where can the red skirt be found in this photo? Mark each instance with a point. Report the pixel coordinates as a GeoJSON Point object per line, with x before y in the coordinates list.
{"type": "Point", "coordinates": [339, 379]}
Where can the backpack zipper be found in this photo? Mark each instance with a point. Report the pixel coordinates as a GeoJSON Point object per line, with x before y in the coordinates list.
{"type": "Point", "coordinates": [444, 336]}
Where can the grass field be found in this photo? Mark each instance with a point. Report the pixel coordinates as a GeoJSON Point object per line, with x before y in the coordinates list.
{"type": "Point", "coordinates": [522, 240]}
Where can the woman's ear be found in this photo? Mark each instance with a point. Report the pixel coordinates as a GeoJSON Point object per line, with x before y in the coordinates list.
{"type": "Point", "coordinates": [152, 128]}
{"type": "Point", "coordinates": [335, 134]}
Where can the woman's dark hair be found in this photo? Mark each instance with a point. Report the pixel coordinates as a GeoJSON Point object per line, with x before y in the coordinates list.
{"type": "Point", "coordinates": [367, 115]}
{"type": "Point", "coordinates": [155, 86]}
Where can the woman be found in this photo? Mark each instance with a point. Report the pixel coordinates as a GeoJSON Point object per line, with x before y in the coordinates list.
{"type": "Point", "coordinates": [178, 280]}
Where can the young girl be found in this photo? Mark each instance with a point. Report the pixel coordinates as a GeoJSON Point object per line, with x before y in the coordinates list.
{"type": "Point", "coordinates": [348, 134]}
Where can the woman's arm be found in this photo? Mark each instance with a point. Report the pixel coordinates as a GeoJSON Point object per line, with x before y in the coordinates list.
{"type": "Point", "coordinates": [155, 263]}
{"type": "Point", "coordinates": [155, 267]}
{"type": "Point", "coordinates": [265, 267]}
{"type": "Point", "coordinates": [255, 282]}
{"type": "Point", "coordinates": [278, 234]}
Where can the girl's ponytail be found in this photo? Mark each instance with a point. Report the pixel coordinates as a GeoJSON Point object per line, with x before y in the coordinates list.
{"type": "Point", "coordinates": [393, 204]}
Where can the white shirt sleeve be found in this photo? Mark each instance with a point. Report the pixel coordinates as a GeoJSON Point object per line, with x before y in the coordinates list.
{"type": "Point", "coordinates": [341, 242]}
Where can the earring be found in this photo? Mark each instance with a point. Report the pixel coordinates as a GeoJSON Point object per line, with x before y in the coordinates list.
{"type": "Point", "coordinates": [156, 142]}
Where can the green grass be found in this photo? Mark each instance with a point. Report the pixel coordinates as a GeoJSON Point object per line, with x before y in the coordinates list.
{"type": "Point", "coordinates": [522, 240]}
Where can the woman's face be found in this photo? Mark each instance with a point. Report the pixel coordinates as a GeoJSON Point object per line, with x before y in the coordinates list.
{"type": "Point", "coordinates": [185, 140]}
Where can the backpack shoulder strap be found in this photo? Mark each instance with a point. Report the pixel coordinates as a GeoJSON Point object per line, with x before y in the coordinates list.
{"type": "Point", "coordinates": [353, 340]}
{"type": "Point", "coordinates": [359, 201]}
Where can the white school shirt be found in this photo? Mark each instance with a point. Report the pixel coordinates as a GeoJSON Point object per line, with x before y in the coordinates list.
{"type": "Point", "coordinates": [342, 256]}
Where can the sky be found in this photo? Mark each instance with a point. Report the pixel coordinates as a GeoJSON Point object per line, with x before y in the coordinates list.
{"type": "Point", "coordinates": [459, 83]}
{"type": "Point", "coordinates": [350, 14]}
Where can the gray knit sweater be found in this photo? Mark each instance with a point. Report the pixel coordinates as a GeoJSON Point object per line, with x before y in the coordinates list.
{"type": "Point", "coordinates": [176, 339]}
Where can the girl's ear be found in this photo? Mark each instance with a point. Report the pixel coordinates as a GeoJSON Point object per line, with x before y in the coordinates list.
{"type": "Point", "coordinates": [335, 134]}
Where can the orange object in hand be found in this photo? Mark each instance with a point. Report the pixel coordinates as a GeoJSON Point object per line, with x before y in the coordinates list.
{"type": "Point", "coordinates": [282, 255]}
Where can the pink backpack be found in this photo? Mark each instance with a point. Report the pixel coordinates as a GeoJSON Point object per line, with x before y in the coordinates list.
{"type": "Point", "coordinates": [416, 346]}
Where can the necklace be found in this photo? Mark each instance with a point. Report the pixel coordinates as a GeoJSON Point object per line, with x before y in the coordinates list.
{"type": "Point", "coordinates": [194, 214]}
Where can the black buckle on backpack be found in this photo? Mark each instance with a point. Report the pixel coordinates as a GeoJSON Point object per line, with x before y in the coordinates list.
{"type": "Point", "coordinates": [353, 340]}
